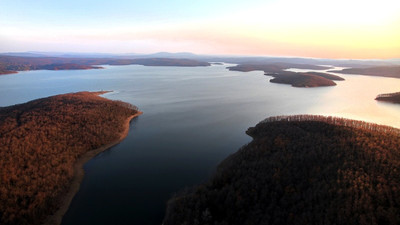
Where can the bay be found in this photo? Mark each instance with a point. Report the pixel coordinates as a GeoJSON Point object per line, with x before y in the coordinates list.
{"type": "Point", "coordinates": [194, 117]}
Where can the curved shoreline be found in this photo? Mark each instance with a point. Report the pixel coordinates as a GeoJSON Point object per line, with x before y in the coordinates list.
{"type": "Point", "coordinates": [79, 173]}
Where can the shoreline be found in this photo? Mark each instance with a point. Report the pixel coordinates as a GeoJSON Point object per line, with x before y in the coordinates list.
{"type": "Point", "coordinates": [79, 173]}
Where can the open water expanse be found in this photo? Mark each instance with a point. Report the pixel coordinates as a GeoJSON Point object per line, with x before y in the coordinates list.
{"type": "Point", "coordinates": [194, 117]}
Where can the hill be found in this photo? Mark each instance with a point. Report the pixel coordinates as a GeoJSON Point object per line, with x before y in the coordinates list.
{"type": "Point", "coordinates": [301, 170]}
{"type": "Point", "coordinates": [39, 143]}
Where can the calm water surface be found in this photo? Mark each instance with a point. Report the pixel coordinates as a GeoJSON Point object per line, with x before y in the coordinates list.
{"type": "Point", "coordinates": [193, 118]}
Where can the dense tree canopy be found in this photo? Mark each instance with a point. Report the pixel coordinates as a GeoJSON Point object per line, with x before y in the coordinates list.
{"type": "Point", "coordinates": [296, 79]}
{"type": "Point", "coordinates": [390, 97]}
{"type": "Point", "coordinates": [301, 170]}
{"type": "Point", "coordinates": [39, 143]}
{"type": "Point", "coordinates": [12, 64]}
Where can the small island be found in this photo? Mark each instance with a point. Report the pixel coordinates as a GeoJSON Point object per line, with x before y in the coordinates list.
{"type": "Point", "coordinates": [43, 146]}
{"type": "Point", "coordinates": [303, 79]}
{"type": "Point", "coordinates": [296, 79]}
{"type": "Point", "coordinates": [390, 97]}
{"type": "Point", "coordinates": [381, 71]}
{"type": "Point", "coordinates": [302, 169]}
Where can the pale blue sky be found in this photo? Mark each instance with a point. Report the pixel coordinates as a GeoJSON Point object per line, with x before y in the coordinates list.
{"type": "Point", "coordinates": [313, 28]}
{"type": "Point", "coordinates": [97, 13]}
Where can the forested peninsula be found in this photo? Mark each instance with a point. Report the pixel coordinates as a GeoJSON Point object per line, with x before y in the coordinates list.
{"type": "Point", "coordinates": [380, 71]}
{"type": "Point", "coordinates": [390, 97]}
{"type": "Point", "coordinates": [301, 170]}
{"type": "Point", "coordinates": [296, 79]}
{"type": "Point", "coordinates": [43, 146]}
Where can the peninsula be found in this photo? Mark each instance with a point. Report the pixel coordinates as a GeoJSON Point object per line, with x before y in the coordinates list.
{"type": "Point", "coordinates": [296, 79]}
{"type": "Point", "coordinates": [301, 169]}
{"type": "Point", "coordinates": [381, 71]}
{"type": "Point", "coordinates": [390, 97]}
{"type": "Point", "coordinates": [43, 146]}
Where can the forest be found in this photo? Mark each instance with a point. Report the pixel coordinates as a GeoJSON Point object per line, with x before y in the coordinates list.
{"type": "Point", "coordinates": [390, 97]}
{"type": "Point", "coordinates": [301, 79]}
{"type": "Point", "coordinates": [12, 64]}
{"type": "Point", "coordinates": [39, 142]}
{"type": "Point", "coordinates": [301, 169]}
{"type": "Point", "coordinates": [296, 79]}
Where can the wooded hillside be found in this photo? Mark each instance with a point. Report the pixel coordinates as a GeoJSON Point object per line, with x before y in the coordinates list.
{"type": "Point", "coordinates": [389, 97]}
{"type": "Point", "coordinates": [39, 142]}
{"type": "Point", "coordinates": [301, 170]}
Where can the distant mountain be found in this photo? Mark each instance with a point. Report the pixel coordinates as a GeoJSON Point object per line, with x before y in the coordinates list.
{"type": "Point", "coordinates": [23, 54]}
{"type": "Point", "coordinates": [187, 55]}
{"type": "Point", "coordinates": [101, 55]}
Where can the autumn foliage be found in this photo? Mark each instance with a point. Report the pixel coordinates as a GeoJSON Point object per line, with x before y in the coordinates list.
{"type": "Point", "coordinates": [39, 143]}
{"type": "Point", "coordinates": [301, 170]}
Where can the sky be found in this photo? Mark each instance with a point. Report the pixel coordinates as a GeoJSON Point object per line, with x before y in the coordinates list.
{"type": "Point", "coordinates": [347, 29]}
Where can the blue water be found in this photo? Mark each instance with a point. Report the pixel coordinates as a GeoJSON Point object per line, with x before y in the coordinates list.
{"type": "Point", "coordinates": [193, 118]}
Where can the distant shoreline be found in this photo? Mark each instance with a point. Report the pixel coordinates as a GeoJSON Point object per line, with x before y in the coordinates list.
{"type": "Point", "coordinates": [79, 173]}
{"type": "Point", "coordinates": [13, 64]}
{"type": "Point", "coordinates": [390, 97]}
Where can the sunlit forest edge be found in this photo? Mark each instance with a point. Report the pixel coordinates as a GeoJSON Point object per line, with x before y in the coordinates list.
{"type": "Point", "coordinates": [301, 169]}
{"type": "Point", "coordinates": [39, 142]}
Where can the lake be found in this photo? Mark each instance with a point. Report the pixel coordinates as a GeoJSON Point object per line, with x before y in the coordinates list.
{"type": "Point", "coordinates": [193, 118]}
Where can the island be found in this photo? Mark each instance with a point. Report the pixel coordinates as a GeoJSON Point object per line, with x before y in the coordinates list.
{"type": "Point", "coordinates": [302, 79]}
{"type": "Point", "coordinates": [296, 79]}
{"type": "Point", "coordinates": [12, 64]}
{"type": "Point", "coordinates": [390, 97]}
{"type": "Point", "coordinates": [303, 169]}
{"type": "Point", "coordinates": [43, 146]}
{"type": "Point", "coordinates": [381, 71]}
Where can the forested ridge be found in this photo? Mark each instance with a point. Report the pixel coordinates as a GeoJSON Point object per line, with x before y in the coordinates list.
{"type": "Point", "coordinates": [39, 142]}
{"type": "Point", "coordinates": [389, 97]}
{"type": "Point", "coordinates": [381, 71]}
{"type": "Point", "coordinates": [301, 170]}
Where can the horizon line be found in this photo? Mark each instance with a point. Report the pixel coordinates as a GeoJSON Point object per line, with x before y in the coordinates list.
{"type": "Point", "coordinates": [185, 52]}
